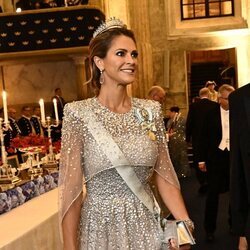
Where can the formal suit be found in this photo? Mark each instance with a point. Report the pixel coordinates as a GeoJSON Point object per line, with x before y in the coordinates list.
{"type": "Point", "coordinates": [25, 126]}
{"type": "Point", "coordinates": [194, 124]}
{"type": "Point", "coordinates": [216, 157]}
{"type": "Point", "coordinates": [239, 104]}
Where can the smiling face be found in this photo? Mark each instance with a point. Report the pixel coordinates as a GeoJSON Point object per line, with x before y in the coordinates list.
{"type": "Point", "coordinates": [120, 63]}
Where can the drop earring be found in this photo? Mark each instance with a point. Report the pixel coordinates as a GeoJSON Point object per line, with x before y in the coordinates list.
{"type": "Point", "coordinates": [101, 77]}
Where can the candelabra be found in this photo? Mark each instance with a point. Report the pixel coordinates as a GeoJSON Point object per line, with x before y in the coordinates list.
{"type": "Point", "coordinates": [34, 165]}
{"type": "Point", "coordinates": [8, 179]}
{"type": "Point", "coordinates": [51, 163]}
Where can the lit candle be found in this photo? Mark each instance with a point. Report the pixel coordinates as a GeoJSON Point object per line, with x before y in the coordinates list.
{"type": "Point", "coordinates": [56, 110]}
{"type": "Point", "coordinates": [5, 111]}
{"type": "Point", "coordinates": [41, 102]}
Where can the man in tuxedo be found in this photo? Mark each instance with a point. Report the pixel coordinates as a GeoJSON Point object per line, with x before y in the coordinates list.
{"type": "Point", "coordinates": [239, 106]}
{"type": "Point", "coordinates": [25, 123]}
{"type": "Point", "coordinates": [195, 121]}
{"type": "Point", "coordinates": [214, 157]}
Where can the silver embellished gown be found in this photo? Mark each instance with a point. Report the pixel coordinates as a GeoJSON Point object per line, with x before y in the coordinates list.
{"type": "Point", "coordinates": [112, 217]}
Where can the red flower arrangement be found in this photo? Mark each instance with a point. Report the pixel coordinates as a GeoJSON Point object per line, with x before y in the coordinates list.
{"type": "Point", "coordinates": [33, 143]}
{"type": "Point", "coordinates": [56, 146]}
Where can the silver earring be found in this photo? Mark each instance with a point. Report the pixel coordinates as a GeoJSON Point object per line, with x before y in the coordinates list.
{"type": "Point", "coordinates": [101, 77]}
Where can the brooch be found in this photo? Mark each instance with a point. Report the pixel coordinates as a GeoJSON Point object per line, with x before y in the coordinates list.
{"type": "Point", "coordinates": [145, 118]}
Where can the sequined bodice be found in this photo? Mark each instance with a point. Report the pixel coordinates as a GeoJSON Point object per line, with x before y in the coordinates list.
{"type": "Point", "coordinates": [125, 130]}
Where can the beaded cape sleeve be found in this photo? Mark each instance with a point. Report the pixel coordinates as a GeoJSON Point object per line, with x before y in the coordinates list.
{"type": "Point", "coordinates": [71, 177]}
{"type": "Point", "coordinates": [163, 166]}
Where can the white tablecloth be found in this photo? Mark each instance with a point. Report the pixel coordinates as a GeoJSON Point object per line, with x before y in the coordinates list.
{"type": "Point", "coordinates": [33, 225]}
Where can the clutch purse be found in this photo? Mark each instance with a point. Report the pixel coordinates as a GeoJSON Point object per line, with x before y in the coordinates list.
{"type": "Point", "coordinates": [177, 231]}
{"type": "Point", "coordinates": [184, 234]}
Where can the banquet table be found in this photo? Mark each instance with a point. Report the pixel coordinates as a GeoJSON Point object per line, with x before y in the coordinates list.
{"type": "Point", "coordinates": [33, 225]}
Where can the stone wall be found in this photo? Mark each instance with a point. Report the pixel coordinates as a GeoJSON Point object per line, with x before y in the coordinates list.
{"type": "Point", "coordinates": [25, 84]}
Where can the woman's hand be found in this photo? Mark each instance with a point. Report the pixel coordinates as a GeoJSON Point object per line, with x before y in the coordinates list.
{"type": "Point", "coordinates": [185, 247]}
{"type": "Point", "coordinates": [243, 243]}
{"type": "Point", "coordinates": [171, 134]}
{"type": "Point", "coordinates": [173, 244]}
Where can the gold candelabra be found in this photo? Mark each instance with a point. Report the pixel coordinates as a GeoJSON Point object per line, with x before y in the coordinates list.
{"type": "Point", "coordinates": [8, 179]}
{"type": "Point", "coordinates": [51, 163]}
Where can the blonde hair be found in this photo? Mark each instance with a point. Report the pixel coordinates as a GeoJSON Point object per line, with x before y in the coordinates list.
{"type": "Point", "coordinates": [225, 87]}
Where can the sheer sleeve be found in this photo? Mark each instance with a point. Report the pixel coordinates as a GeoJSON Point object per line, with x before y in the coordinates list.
{"type": "Point", "coordinates": [163, 166]}
{"type": "Point", "coordinates": [71, 162]}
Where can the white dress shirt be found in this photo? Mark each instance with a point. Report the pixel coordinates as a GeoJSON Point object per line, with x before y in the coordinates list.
{"type": "Point", "coordinates": [225, 141]}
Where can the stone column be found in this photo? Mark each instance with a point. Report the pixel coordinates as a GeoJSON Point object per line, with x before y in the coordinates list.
{"type": "Point", "coordinates": [139, 21]}
{"type": "Point", "coordinates": [81, 77]}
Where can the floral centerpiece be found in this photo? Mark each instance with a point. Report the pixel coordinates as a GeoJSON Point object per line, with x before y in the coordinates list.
{"type": "Point", "coordinates": [33, 143]}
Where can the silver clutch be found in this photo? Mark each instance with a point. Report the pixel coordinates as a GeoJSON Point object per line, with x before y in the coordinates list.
{"type": "Point", "coordinates": [177, 231]}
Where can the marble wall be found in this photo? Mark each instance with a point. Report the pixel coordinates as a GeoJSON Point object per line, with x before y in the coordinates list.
{"type": "Point", "coordinates": [27, 83]}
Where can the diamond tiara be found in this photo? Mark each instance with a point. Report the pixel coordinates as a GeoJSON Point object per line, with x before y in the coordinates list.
{"type": "Point", "coordinates": [111, 23]}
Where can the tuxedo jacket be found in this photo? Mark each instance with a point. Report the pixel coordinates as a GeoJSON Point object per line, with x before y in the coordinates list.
{"type": "Point", "coordinates": [239, 103]}
{"type": "Point", "coordinates": [211, 136]}
{"type": "Point", "coordinates": [195, 121]}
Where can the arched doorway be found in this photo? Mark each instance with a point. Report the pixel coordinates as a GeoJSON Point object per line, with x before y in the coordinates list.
{"type": "Point", "coordinates": [214, 65]}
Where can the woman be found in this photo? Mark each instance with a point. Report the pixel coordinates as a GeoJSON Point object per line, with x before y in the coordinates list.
{"type": "Point", "coordinates": [177, 142]}
{"type": "Point", "coordinates": [213, 93]}
{"type": "Point", "coordinates": [101, 137]}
